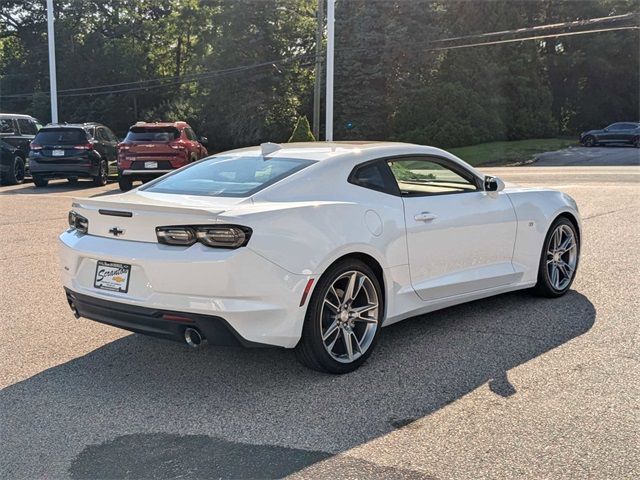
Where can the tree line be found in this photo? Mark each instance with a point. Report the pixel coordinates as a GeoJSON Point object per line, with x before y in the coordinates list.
{"type": "Point", "coordinates": [242, 72]}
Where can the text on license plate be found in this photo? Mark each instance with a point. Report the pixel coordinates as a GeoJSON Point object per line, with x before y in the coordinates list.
{"type": "Point", "coordinates": [150, 164]}
{"type": "Point", "coordinates": [58, 153]}
{"type": "Point", "coordinates": [112, 276]}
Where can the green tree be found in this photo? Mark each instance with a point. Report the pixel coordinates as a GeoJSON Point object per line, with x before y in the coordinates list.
{"type": "Point", "coordinates": [302, 131]}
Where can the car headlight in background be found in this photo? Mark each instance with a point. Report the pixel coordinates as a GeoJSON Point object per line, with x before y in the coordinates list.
{"type": "Point", "coordinates": [78, 222]}
{"type": "Point", "coordinates": [217, 236]}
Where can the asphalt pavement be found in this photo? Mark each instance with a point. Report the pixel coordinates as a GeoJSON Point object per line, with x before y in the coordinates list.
{"type": "Point", "coordinates": [514, 386]}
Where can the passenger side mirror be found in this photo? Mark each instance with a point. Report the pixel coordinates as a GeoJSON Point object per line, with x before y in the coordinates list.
{"type": "Point", "coordinates": [204, 141]}
{"type": "Point", "coordinates": [493, 184]}
{"type": "Point", "coordinates": [606, 129]}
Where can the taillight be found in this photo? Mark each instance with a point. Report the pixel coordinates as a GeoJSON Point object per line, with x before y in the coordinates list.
{"type": "Point", "coordinates": [35, 146]}
{"type": "Point", "coordinates": [86, 146]}
{"type": "Point", "coordinates": [78, 222]}
{"type": "Point", "coordinates": [217, 236]}
{"type": "Point", "coordinates": [123, 147]}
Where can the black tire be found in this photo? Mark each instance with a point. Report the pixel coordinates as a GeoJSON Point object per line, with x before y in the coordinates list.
{"type": "Point", "coordinates": [73, 180]}
{"type": "Point", "coordinates": [544, 287]}
{"type": "Point", "coordinates": [125, 183]}
{"type": "Point", "coordinates": [589, 141]}
{"type": "Point", "coordinates": [15, 173]}
{"type": "Point", "coordinates": [311, 351]}
{"type": "Point", "coordinates": [100, 180]}
{"type": "Point", "coordinates": [39, 181]}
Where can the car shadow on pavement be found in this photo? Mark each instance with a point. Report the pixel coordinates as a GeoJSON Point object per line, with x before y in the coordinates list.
{"type": "Point", "coordinates": [145, 408]}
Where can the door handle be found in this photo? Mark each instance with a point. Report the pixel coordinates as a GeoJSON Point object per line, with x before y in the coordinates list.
{"type": "Point", "coordinates": [425, 217]}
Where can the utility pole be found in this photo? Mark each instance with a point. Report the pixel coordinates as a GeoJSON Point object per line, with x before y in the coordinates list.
{"type": "Point", "coordinates": [52, 63]}
{"type": "Point", "coordinates": [318, 82]}
{"type": "Point", "coordinates": [331, 5]}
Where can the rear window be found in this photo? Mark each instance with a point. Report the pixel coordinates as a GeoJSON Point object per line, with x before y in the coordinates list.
{"type": "Point", "coordinates": [228, 176]}
{"type": "Point", "coordinates": [61, 136]}
{"type": "Point", "coordinates": [152, 134]}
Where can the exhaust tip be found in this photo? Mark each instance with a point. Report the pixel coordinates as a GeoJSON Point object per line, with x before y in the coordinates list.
{"type": "Point", "coordinates": [193, 337]}
{"type": "Point", "coordinates": [74, 310]}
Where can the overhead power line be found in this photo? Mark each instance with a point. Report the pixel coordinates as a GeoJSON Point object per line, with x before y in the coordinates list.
{"type": "Point", "coordinates": [162, 82]}
{"type": "Point", "coordinates": [572, 24]}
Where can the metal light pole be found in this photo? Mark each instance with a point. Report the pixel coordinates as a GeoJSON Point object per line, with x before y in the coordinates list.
{"type": "Point", "coordinates": [52, 63]}
{"type": "Point", "coordinates": [318, 81]}
{"type": "Point", "coordinates": [331, 5]}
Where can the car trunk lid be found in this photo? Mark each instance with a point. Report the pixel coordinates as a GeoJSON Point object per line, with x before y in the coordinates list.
{"type": "Point", "coordinates": [135, 215]}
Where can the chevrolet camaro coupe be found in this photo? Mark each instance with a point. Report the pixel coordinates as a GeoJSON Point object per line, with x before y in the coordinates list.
{"type": "Point", "coordinates": [312, 246]}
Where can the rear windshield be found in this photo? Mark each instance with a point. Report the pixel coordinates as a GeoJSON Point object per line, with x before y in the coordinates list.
{"type": "Point", "coordinates": [152, 134]}
{"type": "Point", "coordinates": [61, 136]}
{"type": "Point", "coordinates": [228, 176]}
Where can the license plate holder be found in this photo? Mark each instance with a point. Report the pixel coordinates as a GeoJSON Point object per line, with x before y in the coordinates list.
{"type": "Point", "coordinates": [57, 153]}
{"type": "Point", "coordinates": [150, 164]}
{"type": "Point", "coordinates": [112, 276]}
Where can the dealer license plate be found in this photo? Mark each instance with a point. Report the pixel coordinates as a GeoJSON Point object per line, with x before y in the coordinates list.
{"type": "Point", "coordinates": [112, 276]}
{"type": "Point", "coordinates": [150, 164]}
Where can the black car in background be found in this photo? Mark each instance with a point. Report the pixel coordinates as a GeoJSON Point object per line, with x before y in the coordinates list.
{"type": "Point", "coordinates": [16, 133]}
{"type": "Point", "coordinates": [73, 151]}
{"type": "Point", "coordinates": [620, 132]}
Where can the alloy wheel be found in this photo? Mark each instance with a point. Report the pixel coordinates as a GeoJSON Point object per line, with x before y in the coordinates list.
{"type": "Point", "coordinates": [349, 316]}
{"type": "Point", "coordinates": [562, 257]}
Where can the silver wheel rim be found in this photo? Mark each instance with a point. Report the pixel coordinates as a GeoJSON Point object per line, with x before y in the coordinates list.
{"type": "Point", "coordinates": [562, 257]}
{"type": "Point", "coordinates": [349, 316]}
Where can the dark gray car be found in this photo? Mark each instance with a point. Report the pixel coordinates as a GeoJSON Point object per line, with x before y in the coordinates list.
{"type": "Point", "coordinates": [72, 151]}
{"type": "Point", "coordinates": [620, 132]}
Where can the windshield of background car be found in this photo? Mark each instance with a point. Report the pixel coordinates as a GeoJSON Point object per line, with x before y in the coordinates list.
{"type": "Point", "coordinates": [61, 136]}
{"type": "Point", "coordinates": [152, 134]}
{"type": "Point", "coordinates": [228, 176]}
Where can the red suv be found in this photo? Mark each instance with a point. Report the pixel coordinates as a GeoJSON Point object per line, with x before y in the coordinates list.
{"type": "Point", "coordinates": [152, 149]}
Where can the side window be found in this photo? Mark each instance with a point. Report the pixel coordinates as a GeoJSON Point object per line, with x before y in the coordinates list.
{"type": "Point", "coordinates": [27, 127]}
{"type": "Point", "coordinates": [616, 126]}
{"type": "Point", "coordinates": [110, 135]}
{"type": "Point", "coordinates": [424, 176]}
{"type": "Point", "coordinates": [7, 125]}
{"type": "Point", "coordinates": [372, 176]}
{"type": "Point", "coordinates": [100, 135]}
{"type": "Point", "coordinates": [190, 134]}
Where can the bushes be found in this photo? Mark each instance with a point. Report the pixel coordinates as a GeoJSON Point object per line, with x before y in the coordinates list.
{"type": "Point", "coordinates": [302, 131]}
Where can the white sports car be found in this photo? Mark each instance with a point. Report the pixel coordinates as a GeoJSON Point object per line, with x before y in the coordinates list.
{"type": "Point", "coordinates": [312, 246]}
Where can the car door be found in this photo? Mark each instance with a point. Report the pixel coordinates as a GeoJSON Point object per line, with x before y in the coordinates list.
{"type": "Point", "coordinates": [628, 132]}
{"type": "Point", "coordinates": [611, 133]}
{"type": "Point", "coordinates": [460, 238]}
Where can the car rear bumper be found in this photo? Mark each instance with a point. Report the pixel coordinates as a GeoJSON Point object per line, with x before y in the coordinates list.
{"type": "Point", "coordinates": [143, 173]}
{"type": "Point", "coordinates": [167, 324]}
{"type": "Point", "coordinates": [257, 299]}
{"type": "Point", "coordinates": [55, 170]}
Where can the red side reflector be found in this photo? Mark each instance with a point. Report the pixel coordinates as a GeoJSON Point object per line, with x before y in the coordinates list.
{"type": "Point", "coordinates": [307, 289]}
{"type": "Point", "coordinates": [177, 318]}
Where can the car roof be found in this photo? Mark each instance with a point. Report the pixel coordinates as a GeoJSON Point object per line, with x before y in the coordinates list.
{"type": "Point", "coordinates": [73, 125]}
{"type": "Point", "coordinates": [16, 115]}
{"type": "Point", "coordinates": [180, 124]}
{"type": "Point", "coordinates": [323, 151]}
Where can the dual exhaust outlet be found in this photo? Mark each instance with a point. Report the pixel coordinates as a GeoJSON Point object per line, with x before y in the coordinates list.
{"type": "Point", "coordinates": [192, 336]}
